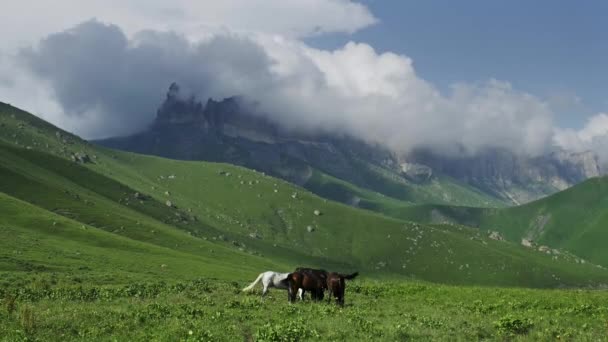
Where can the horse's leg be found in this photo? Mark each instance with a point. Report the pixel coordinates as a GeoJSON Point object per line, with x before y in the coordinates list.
{"type": "Point", "coordinates": [265, 290]}
{"type": "Point", "coordinates": [301, 294]}
{"type": "Point", "coordinates": [292, 290]}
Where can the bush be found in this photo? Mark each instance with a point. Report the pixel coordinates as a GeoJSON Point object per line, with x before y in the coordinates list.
{"type": "Point", "coordinates": [510, 326]}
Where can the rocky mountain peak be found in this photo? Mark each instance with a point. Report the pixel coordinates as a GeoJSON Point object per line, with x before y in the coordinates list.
{"type": "Point", "coordinates": [233, 116]}
{"type": "Point", "coordinates": [177, 109]}
{"type": "Point", "coordinates": [234, 130]}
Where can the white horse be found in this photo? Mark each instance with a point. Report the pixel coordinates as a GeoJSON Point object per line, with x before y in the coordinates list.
{"type": "Point", "coordinates": [271, 279]}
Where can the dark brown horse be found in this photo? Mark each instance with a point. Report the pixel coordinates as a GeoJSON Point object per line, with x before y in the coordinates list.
{"type": "Point", "coordinates": [317, 272]}
{"type": "Point", "coordinates": [336, 285]}
{"type": "Point", "coordinates": [307, 281]}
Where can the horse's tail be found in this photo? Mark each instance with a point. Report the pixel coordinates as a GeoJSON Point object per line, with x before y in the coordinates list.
{"type": "Point", "coordinates": [349, 276]}
{"type": "Point", "coordinates": [255, 282]}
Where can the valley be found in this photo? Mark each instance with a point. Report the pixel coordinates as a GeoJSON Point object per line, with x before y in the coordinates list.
{"type": "Point", "coordinates": [81, 221]}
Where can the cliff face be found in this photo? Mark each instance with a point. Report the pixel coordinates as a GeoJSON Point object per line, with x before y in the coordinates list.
{"type": "Point", "coordinates": [518, 178]}
{"type": "Point", "coordinates": [231, 131]}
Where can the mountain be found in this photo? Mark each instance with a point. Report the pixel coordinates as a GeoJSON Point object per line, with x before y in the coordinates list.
{"type": "Point", "coordinates": [517, 178]}
{"type": "Point", "coordinates": [76, 210]}
{"type": "Point", "coordinates": [233, 131]}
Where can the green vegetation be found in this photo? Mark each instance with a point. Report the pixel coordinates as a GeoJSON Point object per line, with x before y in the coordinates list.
{"type": "Point", "coordinates": [190, 207]}
{"type": "Point", "coordinates": [213, 310]}
{"type": "Point", "coordinates": [574, 220]}
{"type": "Point", "coordinates": [395, 193]}
{"type": "Point", "coordinates": [99, 243]}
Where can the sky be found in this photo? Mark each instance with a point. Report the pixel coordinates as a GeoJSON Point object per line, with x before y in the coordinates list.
{"type": "Point", "coordinates": [521, 75]}
{"type": "Point", "coordinates": [554, 49]}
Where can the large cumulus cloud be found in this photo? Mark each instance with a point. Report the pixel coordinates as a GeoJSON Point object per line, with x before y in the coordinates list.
{"type": "Point", "coordinates": [293, 18]}
{"type": "Point", "coordinates": [97, 72]}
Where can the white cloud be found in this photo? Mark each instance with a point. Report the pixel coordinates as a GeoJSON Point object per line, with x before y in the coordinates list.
{"type": "Point", "coordinates": [293, 18]}
{"type": "Point", "coordinates": [593, 136]}
{"type": "Point", "coordinates": [108, 84]}
{"type": "Point", "coordinates": [379, 97]}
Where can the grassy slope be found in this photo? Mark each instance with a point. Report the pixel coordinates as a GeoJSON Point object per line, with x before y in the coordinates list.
{"type": "Point", "coordinates": [215, 206]}
{"type": "Point", "coordinates": [38, 240]}
{"type": "Point", "coordinates": [392, 192]}
{"type": "Point", "coordinates": [575, 219]}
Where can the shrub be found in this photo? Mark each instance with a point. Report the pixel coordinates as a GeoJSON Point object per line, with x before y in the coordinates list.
{"type": "Point", "coordinates": [510, 326]}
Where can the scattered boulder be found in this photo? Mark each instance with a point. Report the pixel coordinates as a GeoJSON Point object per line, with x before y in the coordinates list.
{"type": "Point", "coordinates": [80, 157]}
{"type": "Point", "coordinates": [317, 212]}
{"type": "Point", "coordinates": [527, 243]}
{"type": "Point", "coordinates": [544, 249]}
{"type": "Point", "coordinates": [496, 236]}
{"type": "Point", "coordinates": [255, 235]}
{"type": "Point", "coordinates": [171, 177]}
{"type": "Point", "coordinates": [169, 204]}
{"type": "Point", "coordinates": [310, 229]}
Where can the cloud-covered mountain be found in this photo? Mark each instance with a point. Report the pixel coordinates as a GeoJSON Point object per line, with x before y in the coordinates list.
{"type": "Point", "coordinates": [97, 73]}
{"type": "Point", "coordinates": [235, 130]}
{"type": "Point", "coordinates": [99, 81]}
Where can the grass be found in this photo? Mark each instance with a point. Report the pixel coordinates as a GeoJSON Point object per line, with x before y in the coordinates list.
{"type": "Point", "coordinates": [573, 220]}
{"type": "Point", "coordinates": [214, 310]}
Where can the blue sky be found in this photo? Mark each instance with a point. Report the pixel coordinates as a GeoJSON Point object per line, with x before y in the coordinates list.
{"type": "Point", "coordinates": [554, 49]}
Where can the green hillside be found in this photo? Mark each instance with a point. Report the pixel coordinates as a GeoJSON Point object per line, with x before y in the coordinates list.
{"type": "Point", "coordinates": [574, 220]}
{"type": "Point", "coordinates": [396, 192]}
{"type": "Point", "coordinates": [220, 216]}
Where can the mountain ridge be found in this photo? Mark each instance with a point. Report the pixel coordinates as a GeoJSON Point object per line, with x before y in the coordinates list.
{"type": "Point", "coordinates": [231, 130]}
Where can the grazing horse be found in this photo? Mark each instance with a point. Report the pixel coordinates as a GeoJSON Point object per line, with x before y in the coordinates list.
{"type": "Point", "coordinates": [336, 285]}
{"type": "Point", "coordinates": [322, 274]}
{"type": "Point", "coordinates": [306, 281]}
{"type": "Point", "coordinates": [269, 279]}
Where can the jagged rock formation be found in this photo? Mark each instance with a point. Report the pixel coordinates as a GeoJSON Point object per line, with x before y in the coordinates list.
{"type": "Point", "coordinates": [232, 130]}
{"type": "Point", "coordinates": [518, 178]}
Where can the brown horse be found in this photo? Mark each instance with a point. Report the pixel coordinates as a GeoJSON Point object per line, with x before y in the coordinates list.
{"type": "Point", "coordinates": [317, 272]}
{"type": "Point", "coordinates": [307, 281]}
{"type": "Point", "coordinates": [336, 285]}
